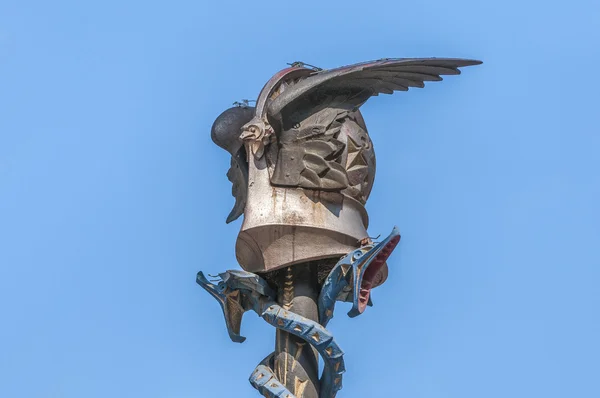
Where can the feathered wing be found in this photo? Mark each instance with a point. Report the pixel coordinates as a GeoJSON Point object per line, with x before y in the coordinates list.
{"type": "Point", "coordinates": [368, 79]}
{"type": "Point", "coordinates": [311, 111]}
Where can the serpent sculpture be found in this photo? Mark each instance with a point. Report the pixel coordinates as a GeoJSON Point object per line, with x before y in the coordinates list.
{"type": "Point", "coordinates": [350, 280]}
{"type": "Point", "coordinates": [302, 169]}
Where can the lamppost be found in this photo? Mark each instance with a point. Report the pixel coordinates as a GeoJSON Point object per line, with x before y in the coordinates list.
{"type": "Point", "coordinates": [302, 169]}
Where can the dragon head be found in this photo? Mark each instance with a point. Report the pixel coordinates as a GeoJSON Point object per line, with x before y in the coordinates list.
{"type": "Point", "coordinates": [354, 276]}
{"type": "Point", "coordinates": [237, 292]}
{"type": "Point", "coordinates": [367, 261]}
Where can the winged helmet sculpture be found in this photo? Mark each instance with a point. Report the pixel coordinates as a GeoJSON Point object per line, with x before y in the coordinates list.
{"type": "Point", "coordinates": [306, 133]}
{"type": "Point", "coordinates": [302, 169]}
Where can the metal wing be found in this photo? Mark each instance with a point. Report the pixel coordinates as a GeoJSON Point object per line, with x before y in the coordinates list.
{"type": "Point", "coordinates": [360, 81]}
{"type": "Point", "coordinates": [310, 110]}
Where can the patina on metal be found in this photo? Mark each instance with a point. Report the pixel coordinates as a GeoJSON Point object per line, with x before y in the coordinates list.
{"type": "Point", "coordinates": [302, 169]}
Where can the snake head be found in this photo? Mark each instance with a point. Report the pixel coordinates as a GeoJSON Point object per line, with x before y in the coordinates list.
{"type": "Point", "coordinates": [231, 302]}
{"type": "Point", "coordinates": [354, 276]}
{"type": "Point", "coordinates": [366, 263]}
{"type": "Point", "coordinates": [249, 283]}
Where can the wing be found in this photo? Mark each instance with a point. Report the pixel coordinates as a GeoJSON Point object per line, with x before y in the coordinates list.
{"type": "Point", "coordinates": [310, 111]}
{"type": "Point", "coordinates": [357, 83]}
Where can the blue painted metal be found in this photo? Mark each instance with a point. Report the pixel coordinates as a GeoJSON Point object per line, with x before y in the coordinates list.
{"type": "Point", "coordinates": [345, 282]}
{"type": "Point", "coordinates": [317, 336]}
{"type": "Point", "coordinates": [231, 304]}
{"type": "Point", "coordinates": [241, 291]}
{"type": "Point", "coordinates": [236, 280]}
{"type": "Point", "coordinates": [264, 380]}
{"type": "Point", "coordinates": [350, 280]}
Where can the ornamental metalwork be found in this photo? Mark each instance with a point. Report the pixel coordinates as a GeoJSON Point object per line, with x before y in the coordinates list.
{"type": "Point", "coordinates": [302, 169]}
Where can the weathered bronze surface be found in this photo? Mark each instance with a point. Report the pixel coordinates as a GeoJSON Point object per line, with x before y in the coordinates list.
{"type": "Point", "coordinates": [302, 169]}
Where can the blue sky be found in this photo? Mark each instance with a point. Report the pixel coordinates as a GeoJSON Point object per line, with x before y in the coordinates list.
{"type": "Point", "coordinates": [112, 195]}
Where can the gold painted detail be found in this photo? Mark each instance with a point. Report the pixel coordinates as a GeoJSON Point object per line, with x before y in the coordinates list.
{"type": "Point", "coordinates": [288, 289]}
{"type": "Point", "coordinates": [299, 386]}
{"type": "Point", "coordinates": [299, 347]}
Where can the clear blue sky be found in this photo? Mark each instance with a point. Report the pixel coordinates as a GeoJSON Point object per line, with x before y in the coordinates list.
{"type": "Point", "coordinates": [112, 195]}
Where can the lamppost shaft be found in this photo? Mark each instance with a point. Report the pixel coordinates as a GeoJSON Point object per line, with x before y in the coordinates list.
{"type": "Point", "coordinates": [296, 362]}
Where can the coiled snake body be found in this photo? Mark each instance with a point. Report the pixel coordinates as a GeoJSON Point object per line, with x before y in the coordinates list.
{"type": "Point", "coordinates": [350, 280]}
